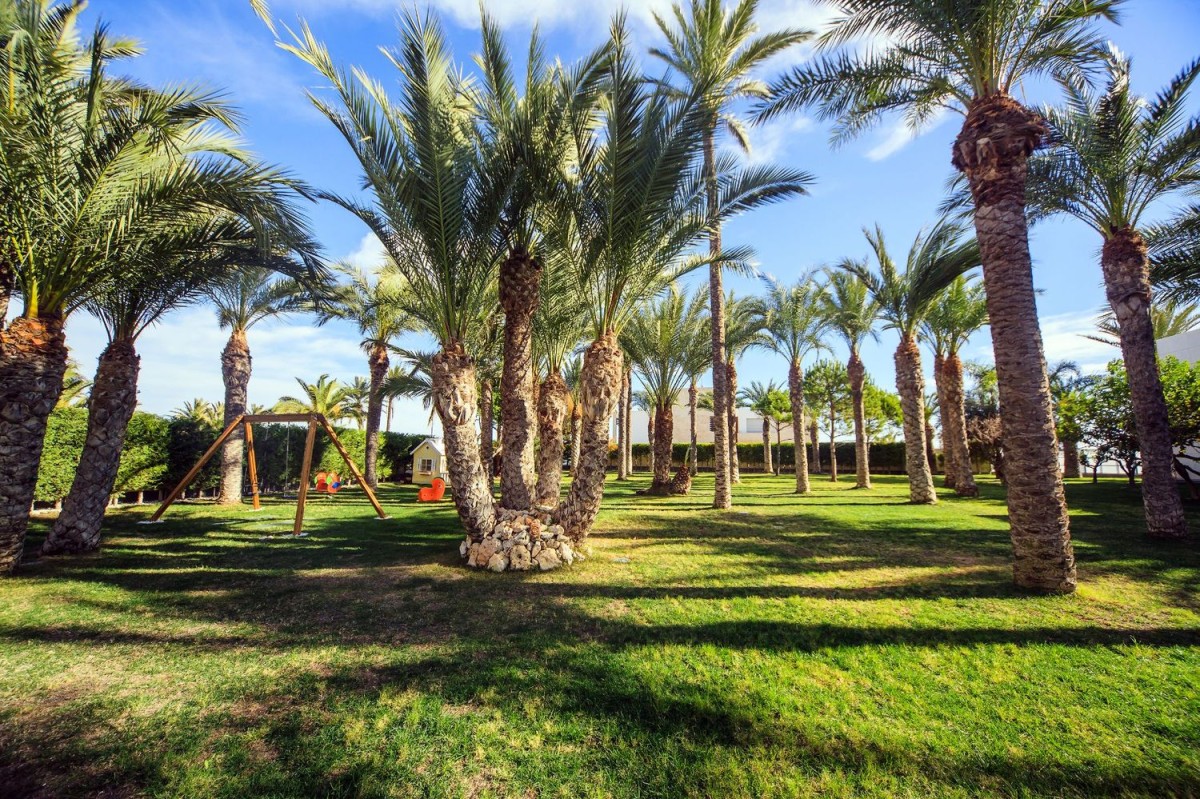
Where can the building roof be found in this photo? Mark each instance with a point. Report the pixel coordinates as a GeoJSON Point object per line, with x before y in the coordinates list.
{"type": "Point", "coordinates": [432, 441]}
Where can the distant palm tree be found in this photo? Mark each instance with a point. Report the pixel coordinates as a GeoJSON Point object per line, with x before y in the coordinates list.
{"type": "Point", "coordinates": [764, 400]}
{"type": "Point", "coordinates": [75, 386]}
{"type": "Point", "coordinates": [743, 331]}
{"type": "Point", "coordinates": [935, 259]}
{"type": "Point", "coordinates": [327, 397]}
{"type": "Point", "coordinates": [246, 298]}
{"type": "Point", "coordinates": [714, 53]}
{"type": "Point", "coordinates": [1114, 157]}
{"type": "Point", "coordinates": [971, 56]}
{"type": "Point", "coordinates": [200, 411]}
{"type": "Point", "coordinates": [1065, 380]}
{"type": "Point", "coordinates": [851, 313]}
{"type": "Point", "coordinates": [957, 313]}
{"type": "Point", "coordinates": [1168, 317]}
{"type": "Point", "coordinates": [791, 318]}
{"type": "Point", "coordinates": [358, 400]}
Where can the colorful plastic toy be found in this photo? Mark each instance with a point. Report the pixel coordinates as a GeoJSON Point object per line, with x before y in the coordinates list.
{"type": "Point", "coordinates": [328, 482]}
{"type": "Point", "coordinates": [432, 493]}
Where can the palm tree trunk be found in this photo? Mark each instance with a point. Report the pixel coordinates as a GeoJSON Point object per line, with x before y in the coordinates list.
{"type": "Point", "coordinates": [779, 449]}
{"type": "Point", "coordinates": [910, 385]}
{"type": "Point", "coordinates": [816, 443]}
{"type": "Point", "coordinates": [664, 426]}
{"type": "Point", "coordinates": [600, 381]}
{"type": "Point", "coordinates": [110, 407]}
{"type": "Point", "coordinates": [377, 363]}
{"type": "Point", "coordinates": [552, 410]}
{"type": "Point", "coordinates": [930, 454]}
{"type": "Point", "coordinates": [954, 426]}
{"type": "Point", "coordinates": [1070, 457]}
{"type": "Point", "coordinates": [694, 447]}
{"type": "Point", "coordinates": [487, 447]}
{"type": "Point", "coordinates": [33, 359]}
{"type": "Point", "coordinates": [766, 435]}
{"type": "Point", "coordinates": [650, 439]}
{"type": "Point", "coordinates": [796, 395]}
{"type": "Point", "coordinates": [832, 448]}
{"type": "Point", "coordinates": [235, 372]}
{"type": "Point", "coordinates": [7, 278]}
{"type": "Point", "coordinates": [735, 472]}
{"type": "Point", "coordinates": [576, 418]}
{"type": "Point", "coordinates": [1126, 269]}
{"type": "Point", "coordinates": [520, 275]}
{"type": "Point", "coordinates": [722, 494]}
{"type": "Point", "coordinates": [858, 373]}
{"type": "Point", "coordinates": [628, 377]}
{"type": "Point", "coordinates": [622, 439]}
{"type": "Point", "coordinates": [453, 378]}
{"type": "Point", "coordinates": [949, 454]}
{"type": "Point", "coordinates": [992, 149]}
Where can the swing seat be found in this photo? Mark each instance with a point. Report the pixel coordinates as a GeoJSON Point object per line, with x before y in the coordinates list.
{"type": "Point", "coordinates": [433, 493]}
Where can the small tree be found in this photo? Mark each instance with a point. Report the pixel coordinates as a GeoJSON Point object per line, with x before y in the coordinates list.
{"type": "Point", "coordinates": [827, 389]}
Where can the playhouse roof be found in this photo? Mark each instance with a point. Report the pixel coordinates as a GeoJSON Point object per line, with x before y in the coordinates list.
{"type": "Point", "coordinates": [436, 443]}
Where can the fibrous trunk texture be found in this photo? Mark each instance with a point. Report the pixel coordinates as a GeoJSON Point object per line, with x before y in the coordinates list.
{"type": "Point", "coordinates": [600, 382]}
{"type": "Point", "coordinates": [930, 455]}
{"type": "Point", "coordinates": [235, 372]}
{"type": "Point", "coordinates": [6, 288]}
{"type": "Point", "coordinates": [33, 359]}
{"type": "Point", "coordinates": [487, 445]}
{"type": "Point", "coordinates": [453, 378]}
{"type": "Point", "coordinates": [948, 453]}
{"type": "Point", "coordinates": [520, 276]}
{"type": "Point", "coordinates": [735, 473]}
{"type": "Point", "coordinates": [576, 418]}
{"type": "Point", "coordinates": [766, 436]}
{"type": "Point", "coordinates": [857, 372]}
{"type": "Point", "coordinates": [111, 404]}
{"type": "Point", "coordinates": [1126, 268]}
{"type": "Point", "coordinates": [722, 493]}
{"type": "Point", "coordinates": [650, 437]}
{"type": "Point", "coordinates": [832, 446]}
{"type": "Point", "coordinates": [1070, 457]}
{"type": "Point", "coordinates": [377, 362]}
{"type": "Point", "coordinates": [664, 425]}
{"type": "Point", "coordinates": [956, 447]}
{"type": "Point", "coordinates": [796, 395]}
{"type": "Point", "coordinates": [910, 385]}
{"type": "Point", "coordinates": [992, 150]}
{"type": "Point", "coordinates": [622, 439]}
{"type": "Point", "coordinates": [815, 442]}
{"type": "Point", "coordinates": [552, 410]}
{"type": "Point", "coordinates": [693, 448]}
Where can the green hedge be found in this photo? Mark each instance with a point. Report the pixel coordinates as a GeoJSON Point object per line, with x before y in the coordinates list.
{"type": "Point", "coordinates": [885, 458]}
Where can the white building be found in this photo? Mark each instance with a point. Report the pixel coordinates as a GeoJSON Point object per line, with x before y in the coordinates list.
{"type": "Point", "coordinates": [750, 425]}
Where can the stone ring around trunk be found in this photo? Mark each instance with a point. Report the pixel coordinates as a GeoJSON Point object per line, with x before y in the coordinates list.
{"type": "Point", "coordinates": [521, 541]}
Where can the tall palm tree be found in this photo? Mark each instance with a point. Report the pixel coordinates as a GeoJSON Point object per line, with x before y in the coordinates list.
{"type": "Point", "coordinates": [697, 361]}
{"type": "Point", "coordinates": [660, 341]}
{"type": "Point", "coordinates": [434, 202]}
{"type": "Point", "coordinates": [92, 168]}
{"type": "Point", "coordinates": [764, 399]}
{"type": "Point", "coordinates": [530, 135]}
{"type": "Point", "coordinates": [327, 397]}
{"type": "Point", "coordinates": [743, 331]}
{"type": "Point", "coordinates": [970, 56]}
{"type": "Point", "coordinates": [851, 312]}
{"type": "Point", "coordinates": [714, 54]}
{"type": "Point", "coordinates": [246, 298]}
{"type": "Point", "coordinates": [376, 307]}
{"type": "Point", "coordinates": [174, 270]}
{"type": "Point", "coordinates": [936, 258]}
{"type": "Point", "coordinates": [794, 325]}
{"type": "Point", "coordinates": [957, 312]}
{"type": "Point", "coordinates": [1113, 157]}
{"type": "Point", "coordinates": [635, 207]}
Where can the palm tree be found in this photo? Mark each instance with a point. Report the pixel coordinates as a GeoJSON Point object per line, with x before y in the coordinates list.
{"type": "Point", "coordinates": [1065, 382]}
{"type": "Point", "coordinates": [376, 308]}
{"type": "Point", "coordinates": [358, 398]}
{"type": "Point", "coordinates": [634, 208]}
{"type": "Point", "coordinates": [1114, 157]}
{"type": "Point", "coordinates": [743, 330]}
{"type": "Point", "coordinates": [248, 297]}
{"type": "Point", "coordinates": [936, 258]}
{"type": "Point", "coordinates": [697, 361]}
{"type": "Point", "coordinates": [851, 312]}
{"type": "Point", "coordinates": [74, 386]}
{"type": "Point", "coordinates": [1169, 316]}
{"type": "Point", "coordinates": [957, 312]}
{"type": "Point", "coordinates": [434, 204]}
{"type": "Point", "coordinates": [571, 377]}
{"type": "Point", "coordinates": [970, 56]}
{"type": "Point", "coordinates": [767, 401]}
{"type": "Point", "coordinates": [92, 169]}
{"type": "Point", "coordinates": [827, 388]}
{"type": "Point", "coordinates": [200, 411]}
{"type": "Point", "coordinates": [660, 341]}
{"type": "Point", "coordinates": [327, 397]}
{"type": "Point", "coordinates": [714, 53]}
{"type": "Point", "coordinates": [792, 320]}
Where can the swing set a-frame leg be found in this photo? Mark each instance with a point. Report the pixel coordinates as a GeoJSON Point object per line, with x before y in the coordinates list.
{"type": "Point", "coordinates": [350, 465]}
{"type": "Point", "coordinates": [190, 476]}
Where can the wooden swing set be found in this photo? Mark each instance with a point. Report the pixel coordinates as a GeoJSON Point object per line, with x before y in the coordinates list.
{"type": "Point", "coordinates": [314, 421]}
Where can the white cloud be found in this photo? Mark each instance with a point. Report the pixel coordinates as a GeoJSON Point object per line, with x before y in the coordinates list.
{"type": "Point", "coordinates": [368, 255]}
{"type": "Point", "coordinates": [900, 134]}
{"type": "Point", "coordinates": [1063, 336]}
{"type": "Point", "coordinates": [769, 141]}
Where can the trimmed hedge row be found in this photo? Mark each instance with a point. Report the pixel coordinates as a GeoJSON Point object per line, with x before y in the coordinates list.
{"type": "Point", "coordinates": [159, 452]}
{"type": "Point", "coordinates": [884, 458]}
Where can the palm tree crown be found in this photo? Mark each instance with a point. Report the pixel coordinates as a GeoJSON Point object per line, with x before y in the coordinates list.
{"type": "Point", "coordinates": [958, 311]}
{"type": "Point", "coordinates": [662, 340]}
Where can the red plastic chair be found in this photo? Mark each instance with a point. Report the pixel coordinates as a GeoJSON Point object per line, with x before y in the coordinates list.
{"type": "Point", "coordinates": [432, 493]}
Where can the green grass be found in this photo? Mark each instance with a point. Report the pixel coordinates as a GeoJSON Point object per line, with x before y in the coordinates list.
{"type": "Point", "coordinates": [843, 644]}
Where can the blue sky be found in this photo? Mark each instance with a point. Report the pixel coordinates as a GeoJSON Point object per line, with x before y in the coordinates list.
{"type": "Point", "coordinates": [888, 176]}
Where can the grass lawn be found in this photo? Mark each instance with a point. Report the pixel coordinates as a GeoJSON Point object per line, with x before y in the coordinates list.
{"type": "Point", "coordinates": [843, 644]}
